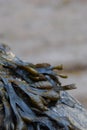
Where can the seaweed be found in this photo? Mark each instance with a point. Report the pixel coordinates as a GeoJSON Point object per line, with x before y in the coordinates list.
{"type": "Point", "coordinates": [28, 92]}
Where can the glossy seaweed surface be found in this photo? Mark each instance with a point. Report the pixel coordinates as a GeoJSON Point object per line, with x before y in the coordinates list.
{"type": "Point", "coordinates": [30, 94]}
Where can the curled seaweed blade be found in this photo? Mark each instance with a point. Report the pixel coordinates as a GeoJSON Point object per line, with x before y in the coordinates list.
{"type": "Point", "coordinates": [68, 87]}
{"type": "Point", "coordinates": [59, 67]}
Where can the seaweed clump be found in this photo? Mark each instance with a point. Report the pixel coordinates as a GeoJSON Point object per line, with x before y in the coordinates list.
{"type": "Point", "coordinates": [28, 92]}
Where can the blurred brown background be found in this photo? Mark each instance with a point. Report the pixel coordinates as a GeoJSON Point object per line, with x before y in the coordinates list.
{"type": "Point", "coordinates": [53, 31]}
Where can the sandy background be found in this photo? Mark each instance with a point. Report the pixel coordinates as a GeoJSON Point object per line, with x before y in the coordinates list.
{"type": "Point", "coordinates": [53, 31]}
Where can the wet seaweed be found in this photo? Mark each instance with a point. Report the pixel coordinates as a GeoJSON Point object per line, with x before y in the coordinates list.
{"type": "Point", "coordinates": [28, 92]}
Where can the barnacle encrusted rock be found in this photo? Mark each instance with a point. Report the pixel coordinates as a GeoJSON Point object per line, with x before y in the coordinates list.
{"type": "Point", "coordinates": [32, 97]}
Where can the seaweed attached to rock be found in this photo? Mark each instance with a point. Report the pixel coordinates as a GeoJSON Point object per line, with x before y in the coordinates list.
{"type": "Point", "coordinates": [32, 96]}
